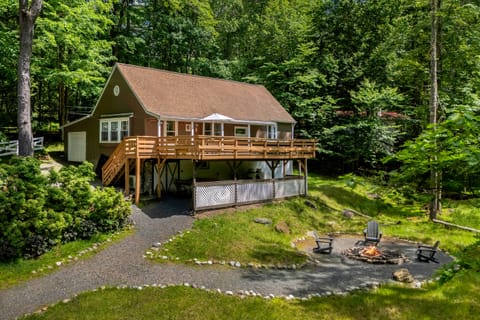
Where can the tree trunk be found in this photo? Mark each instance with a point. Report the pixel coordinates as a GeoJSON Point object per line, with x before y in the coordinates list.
{"type": "Point", "coordinates": [27, 17]}
{"type": "Point", "coordinates": [435, 174]}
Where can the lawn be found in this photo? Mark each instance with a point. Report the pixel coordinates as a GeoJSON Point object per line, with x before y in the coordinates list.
{"type": "Point", "coordinates": [455, 295]}
{"type": "Point", "coordinates": [236, 235]}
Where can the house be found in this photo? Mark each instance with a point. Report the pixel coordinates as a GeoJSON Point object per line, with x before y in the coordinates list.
{"type": "Point", "coordinates": [222, 142]}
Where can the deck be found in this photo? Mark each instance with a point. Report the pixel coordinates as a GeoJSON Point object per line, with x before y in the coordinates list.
{"type": "Point", "coordinates": [201, 148]}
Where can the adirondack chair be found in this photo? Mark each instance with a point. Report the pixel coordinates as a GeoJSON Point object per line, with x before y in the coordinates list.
{"type": "Point", "coordinates": [427, 253]}
{"type": "Point", "coordinates": [324, 244]}
{"type": "Point", "coordinates": [372, 233]}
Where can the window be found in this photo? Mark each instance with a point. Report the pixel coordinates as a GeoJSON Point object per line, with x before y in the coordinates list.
{"type": "Point", "coordinates": [272, 132]}
{"type": "Point", "coordinates": [104, 137]}
{"type": "Point", "coordinates": [241, 131]}
{"type": "Point", "coordinates": [114, 130]}
{"type": "Point", "coordinates": [123, 129]}
{"type": "Point", "coordinates": [207, 129]}
{"type": "Point", "coordinates": [170, 129]}
{"type": "Point", "coordinates": [215, 129]}
{"type": "Point", "coordinates": [218, 129]}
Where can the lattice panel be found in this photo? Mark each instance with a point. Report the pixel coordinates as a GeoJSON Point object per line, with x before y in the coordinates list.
{"type": "Point", "coordinates": [212, 196]}
{"type": "Point", "coordinates": [256, 191]}
{"type": "Point", "coordinates": [289, 188]}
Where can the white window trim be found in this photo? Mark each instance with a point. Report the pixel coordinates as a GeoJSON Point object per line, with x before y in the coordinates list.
{"type": "Point", "coordinates": [242, 128]}
{"type": "Point", "coordinates": [212, 128]}
{"type": "Point", "coordinates": [274, 131]}
{"type": "Point", "coordinates": [119, 128]}
{"type": "Point", "coordinates": [203, 129]}
{"type": "Point", "coordinates": [165, 127]}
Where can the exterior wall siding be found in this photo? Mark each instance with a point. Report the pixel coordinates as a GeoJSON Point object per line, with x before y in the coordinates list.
{"type": "Point", "coordinates": [109, 104]}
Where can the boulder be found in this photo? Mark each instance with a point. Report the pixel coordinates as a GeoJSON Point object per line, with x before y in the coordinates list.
{"type": "Point", "coordinates": [282, 227]}
{"type": "Point", "coordinates": [347, 213]}
{"type": "Point", "coordinates": [403, 275]}
{"type": "Point", "coordinates": [263, 220]}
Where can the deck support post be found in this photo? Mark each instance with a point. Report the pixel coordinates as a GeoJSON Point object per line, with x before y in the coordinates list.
{"type": "Point", "coordinates": [305, 176]}
{"type": "Point", "coordinates": [234, 167]}
{"type": "Point", "coordinates": [272, 167]}
{"type": "Point", "coordinates": [160, 165]}
{"type": "Point", "coordinates": [137, 180]}
{"type": "Point", "coordinates": [127, 176]}
{"type": "Point", "coordinates": [194, 186]}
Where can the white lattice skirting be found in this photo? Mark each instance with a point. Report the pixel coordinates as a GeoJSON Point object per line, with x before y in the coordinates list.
{"type": "Point", "coordinates": [230, 193]}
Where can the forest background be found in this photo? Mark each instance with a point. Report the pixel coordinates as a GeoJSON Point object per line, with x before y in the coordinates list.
{"type": "Point", "coordinates": [355, 74]}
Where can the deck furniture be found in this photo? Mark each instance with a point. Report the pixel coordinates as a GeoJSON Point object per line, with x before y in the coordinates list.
{"type": "Point", "coordinates": [372, 233]}
{"type": "Point", "coordinates": [324, 244]}
{"type": "Point", "coordinates": [427, 253]}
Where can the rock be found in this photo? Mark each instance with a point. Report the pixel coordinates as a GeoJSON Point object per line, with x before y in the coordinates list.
{"type": "Point", "coordinates": [263, 220]}
{"type": "Point", "coordinates": [349, 214]}
{"type": "Point", "coordinates": [156, 244]}
{"type": "Point", "coordinates": [403, 275]}
{"type": "Point", "coordinates": [310, 204]}
{"type": "Point", "coordinates": [282, 227]}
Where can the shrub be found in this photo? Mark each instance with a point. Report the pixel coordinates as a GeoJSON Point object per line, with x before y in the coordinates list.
{"type": "Point", "coordinates": [38, 211]}
{"type": "Point", "coordinates": [109, 212]}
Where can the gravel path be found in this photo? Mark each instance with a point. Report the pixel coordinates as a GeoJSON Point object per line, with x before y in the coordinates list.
{"type": "Point", "coordinates": [122, 264]}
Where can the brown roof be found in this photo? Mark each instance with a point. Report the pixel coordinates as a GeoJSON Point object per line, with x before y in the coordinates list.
{"type": "Point", "coordinates": [171, 94]}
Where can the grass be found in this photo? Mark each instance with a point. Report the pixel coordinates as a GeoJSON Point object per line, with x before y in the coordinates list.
{"type": "Point", "coordinates": [22, 270]}
{"type": "Point", "coordinates": [235, 236]}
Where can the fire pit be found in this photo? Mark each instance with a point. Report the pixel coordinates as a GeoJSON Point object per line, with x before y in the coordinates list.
{"type": "Point", "coordinates": [372, 254]}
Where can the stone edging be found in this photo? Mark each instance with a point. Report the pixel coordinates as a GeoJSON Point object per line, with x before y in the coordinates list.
{"type": "Point", "coordinates": [240, 293]}
{"type": "Point", "coordinates": [232, 263]}
{"type": "Point", "coordinates": [69, 259]}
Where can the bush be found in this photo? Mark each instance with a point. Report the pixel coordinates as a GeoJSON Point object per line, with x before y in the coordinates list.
{"type": "Point", "coordinates": [38, 211]}
{"type": "Point", "coordinates": [109, 211]}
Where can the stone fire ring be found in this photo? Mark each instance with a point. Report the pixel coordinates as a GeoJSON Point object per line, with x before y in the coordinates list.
{"type": "Point", "coordinates": [341, 269]}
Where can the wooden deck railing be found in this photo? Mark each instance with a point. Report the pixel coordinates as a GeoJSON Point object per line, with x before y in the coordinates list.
{"type": "Point", "coordinates": [204, 148]}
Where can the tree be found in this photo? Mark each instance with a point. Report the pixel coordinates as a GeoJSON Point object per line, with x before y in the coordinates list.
{"type": "Point", "coordinates": [8, 67]}
{"type": "Point", "coordinates": [72, 52]}
{"type": "Point", "coordinates": [435, 174]}
{"type": "Point", "coordinates": [28, 13]}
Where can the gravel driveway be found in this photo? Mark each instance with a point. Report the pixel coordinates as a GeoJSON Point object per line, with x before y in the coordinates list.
{"type": "Point", "coordinates": [122, 263]}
